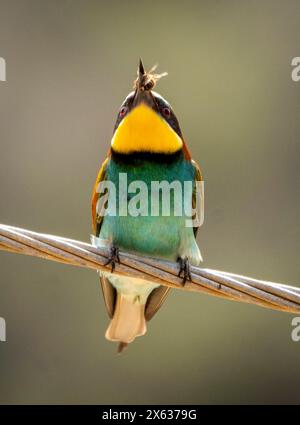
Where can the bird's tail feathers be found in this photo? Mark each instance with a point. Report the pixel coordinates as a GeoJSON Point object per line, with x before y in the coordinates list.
{"type": "Point", "coordinates": [128, 321]}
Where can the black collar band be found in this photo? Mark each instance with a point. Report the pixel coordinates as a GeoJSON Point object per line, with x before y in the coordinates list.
{"type": "Point", "coordinates": [134, 157]}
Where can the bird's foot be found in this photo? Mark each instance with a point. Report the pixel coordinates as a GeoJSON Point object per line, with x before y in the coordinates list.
{"type": "Point", "coordinates": [184, 270]}
{"type": "Point", "coordinates": [113, 258]}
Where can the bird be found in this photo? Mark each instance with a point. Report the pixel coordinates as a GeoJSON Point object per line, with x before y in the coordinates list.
{"type": "Point", "coordinates": [147, 146]}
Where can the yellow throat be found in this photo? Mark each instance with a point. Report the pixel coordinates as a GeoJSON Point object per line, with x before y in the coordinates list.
{"type": "Point", "coordinates": [143, 130]}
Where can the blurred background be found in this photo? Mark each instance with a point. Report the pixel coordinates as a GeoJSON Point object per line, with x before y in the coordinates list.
{"type": "Point", "coordinates": [70, 63]}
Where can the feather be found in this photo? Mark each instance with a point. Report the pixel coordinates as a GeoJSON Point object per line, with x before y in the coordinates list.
{"type": "Point", "coordinates": [128, 321]}
{"type": "Point", "coordinates": [109, 295]}
{"type": "Point", "coordinates": [155, 301]}
{"type": "Point", "coordinates": [96, 217]}
{"type": "Point", "coordinates": [122, 346]}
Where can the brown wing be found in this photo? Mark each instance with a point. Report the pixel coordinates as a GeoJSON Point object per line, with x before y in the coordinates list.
{"type": "Point", "coordinates": [109, 295]}
{"type": "Point", "coordinates": [109, 292]}
{"type": "Point", "coordinates": [155, 301]}
{"type": "Point", "coordinates": [97, 217]}
{"type": "Point", "coordinates": [198, 177]}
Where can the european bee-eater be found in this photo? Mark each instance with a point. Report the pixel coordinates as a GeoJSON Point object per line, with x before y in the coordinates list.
{"type": "Point", "coordinates": [147, 146]}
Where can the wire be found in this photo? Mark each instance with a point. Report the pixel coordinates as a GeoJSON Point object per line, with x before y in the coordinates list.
{"type": "Point", "coordinates": [230, 286]}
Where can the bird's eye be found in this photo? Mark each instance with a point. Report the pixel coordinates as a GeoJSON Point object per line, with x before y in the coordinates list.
{"type": "Point", "coordinates": [167, 112]}
{"type": "Point", "coordinates": [123, 111]}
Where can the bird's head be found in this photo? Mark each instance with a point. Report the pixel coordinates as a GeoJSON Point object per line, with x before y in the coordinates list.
{"type": "Point", "coordinates": [146, 121]}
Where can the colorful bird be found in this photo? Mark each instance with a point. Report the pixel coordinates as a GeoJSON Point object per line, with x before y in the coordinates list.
{"type": "Point", "coordinates": [147, 146]}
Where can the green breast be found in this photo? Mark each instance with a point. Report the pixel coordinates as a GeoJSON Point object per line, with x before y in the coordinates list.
{"type": "Point", "coordinates": [147, 234]}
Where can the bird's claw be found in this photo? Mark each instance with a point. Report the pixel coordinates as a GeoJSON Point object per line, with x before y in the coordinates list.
{"type": "Point", "coordinates": [113, 257]}
{"type": "Point", "coordinates": [184, 270]}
